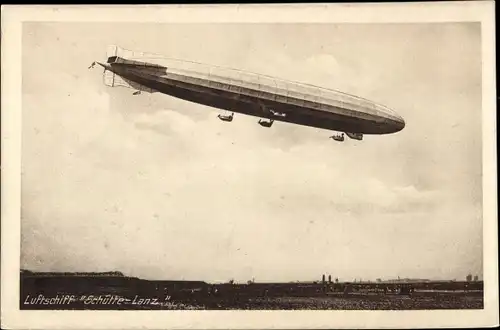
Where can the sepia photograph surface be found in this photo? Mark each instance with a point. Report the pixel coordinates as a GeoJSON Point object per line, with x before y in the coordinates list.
{"type": "Point", "coordinates": [238, 165]}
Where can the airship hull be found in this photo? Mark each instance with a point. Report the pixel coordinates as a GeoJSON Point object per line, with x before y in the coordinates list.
{"type": "Point", "coordinates": [257, 95]}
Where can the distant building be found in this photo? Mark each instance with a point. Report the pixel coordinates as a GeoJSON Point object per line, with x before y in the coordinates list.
{"type": "Point", "coordinates": [468, 278]}
{"type": "Point", "coordinates": [323, 279]}
{"type": "Point", "coordinates": [407, 280]}
{"type": "Point", "coordinates": [329, 278]}
{"type": "Point", "coordinates": [476, 278]}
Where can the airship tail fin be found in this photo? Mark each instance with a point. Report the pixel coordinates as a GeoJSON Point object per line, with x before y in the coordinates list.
{"type": "Point", "coordinates": [114, 50]}
{"type": "Point", "coordinates": [113, 80]}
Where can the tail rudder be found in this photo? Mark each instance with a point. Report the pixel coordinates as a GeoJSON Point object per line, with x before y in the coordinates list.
{"type": "Point", "coordinates": [116, 54]}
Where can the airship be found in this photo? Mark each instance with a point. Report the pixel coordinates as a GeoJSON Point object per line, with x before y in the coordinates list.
{"type": "Point", "coordinates": [237, 91]}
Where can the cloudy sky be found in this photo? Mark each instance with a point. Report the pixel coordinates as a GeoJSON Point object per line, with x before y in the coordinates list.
{"type": "Point", "coordinates": [159, 188]}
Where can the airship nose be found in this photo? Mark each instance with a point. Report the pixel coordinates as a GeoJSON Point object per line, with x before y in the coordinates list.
{"type": "Point", "coordinates": [399, 123]}
{"type": "Point", "coordinates": [394, 122]}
